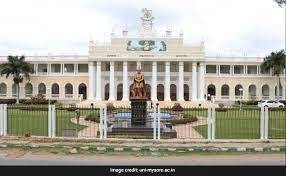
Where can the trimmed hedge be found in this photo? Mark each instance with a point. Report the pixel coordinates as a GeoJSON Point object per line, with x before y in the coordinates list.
{"type": "Point", "coordinates": [177, 107]}
{"type": "Point", "coordinates": [186, 119]}
{"type": "Point", "coordinates": [7, 101]}
{"type": "Point", "coordinates": [92, 117]}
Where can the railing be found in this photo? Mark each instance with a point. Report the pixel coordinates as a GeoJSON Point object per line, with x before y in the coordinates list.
{"type": "Point", "coordinates": [68, 95]}
{"type": "Point", "coordinates": [3, 95]}
{"type": "Point", "coordinates": [176, 122]}
{"type": "Point", "coordinates": [28, 95]}
{"type": "Point", "coordinates": [55, 95]}
{"type": "Point", "coordinates": [224, 97]}
{"type": "Point", "coordinates": [265, 97]}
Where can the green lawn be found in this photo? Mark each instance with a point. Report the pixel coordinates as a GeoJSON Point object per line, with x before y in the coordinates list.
{"type": "Point", "coordinates": [235, 124]}
{"type": "Point", "coordinates": [232, 124]}
{"type": "Point", "coordinates": [35, 122]}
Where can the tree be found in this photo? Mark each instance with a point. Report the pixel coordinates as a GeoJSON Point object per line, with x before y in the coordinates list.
{"type": "Point", "coordinates": [18, 68]}
{"type": "Point", "coordinates": [276, 62]}
{"type": "Point", "coordinates": [280, 2]}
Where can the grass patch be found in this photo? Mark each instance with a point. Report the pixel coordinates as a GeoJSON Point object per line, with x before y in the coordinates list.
{"type": "Point", "coordinates": [235, 124]}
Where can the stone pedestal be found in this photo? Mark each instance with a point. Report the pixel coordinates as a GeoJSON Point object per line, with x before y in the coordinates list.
{"type": "Point", "coordinates": [138, 111]}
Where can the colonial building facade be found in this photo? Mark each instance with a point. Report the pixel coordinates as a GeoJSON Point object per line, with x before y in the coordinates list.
{"type": "Point", "coordinates": [173, 70]}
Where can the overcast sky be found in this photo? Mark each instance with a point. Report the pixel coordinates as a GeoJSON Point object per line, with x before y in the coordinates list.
{"type": "Point", "coordinates": [228, 27]}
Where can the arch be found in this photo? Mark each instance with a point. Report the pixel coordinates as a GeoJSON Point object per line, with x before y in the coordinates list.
{"type": "Point", "coordinates": [3, 90]}
{"type": "Point", "coordinates": [69, 89]}
{"type": "Point", "coordinates": [14, 93]}
{"type": "Point", "coordinates": [119, 92]}
{"type": "Point", "coordinates": [82, 90]}
{"type": "Point", "coordinates": [211, 90]}
{"type": "Point", "coordinates": [225, 90]}
{"type": "Point", "coordinates": [148, 91]}
{"type": "Point", "coordinates": [236, 90]}
{"type": "Point", "coordinates": [55, 89]}
{"type": "Point", "coordinates": [42, 89]}
{"type": "Point", "coordinates": [265, 91]}
{"type": "Point", "coordinates": [252, 91]}
{"type": "Point", "coordinates": [28, 90]}
{"type": "Point", "coordinates": [173, 92]}
{"type": "Point", "coordinates": [186, 92]}
{"type": "Point", "coordinates": [160, 92]}
{"type": "Point", "coordinates": [106, 91]}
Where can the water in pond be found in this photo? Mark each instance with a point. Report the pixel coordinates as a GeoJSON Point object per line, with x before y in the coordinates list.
{"type": "Point", "coordinates": [127, 115]}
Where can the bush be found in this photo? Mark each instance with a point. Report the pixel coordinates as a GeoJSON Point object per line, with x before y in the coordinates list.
{"type": "Point", "coordinates": [33, 108]}
{"type": "Point", "coordinates": [93, 117]}
{"type": "Point", "coordinates": [177, 107]}
{"type": "Point", "coordinates": [110, 107]}
{"type": "Point", "coordinates": [220, 105]}
{"type": "Point", "coordinates": [25, 101]}
{"type": "Point", "coordinates": [221, 109]}
{"type": "Point", "coordinates": [40, 99]}
{"type": "Point", "coordinates": [186, 119]}
{"type": "Point", "coordinates": [7, 101]}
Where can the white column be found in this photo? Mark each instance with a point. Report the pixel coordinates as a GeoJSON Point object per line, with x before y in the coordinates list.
{"type": "Point", "coordinates": [154, 82]}
{"type": "Point", "coordinates": [98, 81]}
{"type": "Point", "coordinates": [91, 80]}
{"type": "Point", "coordinates": [201, 81]}
{"type": "Point", "coordinates": [111, 82]}
{"type": "Point", "coordinates": [194, 81]}
{"type": "Point", "coordinates": [181, 81]}
{"type": "Point", "coordinates": [125, 82]}
{"type": "Point", "coordinates": [167, 82]}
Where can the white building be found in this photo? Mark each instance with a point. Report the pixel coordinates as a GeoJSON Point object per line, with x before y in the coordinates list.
{"type": "Point", "coordinates": [173, 71]}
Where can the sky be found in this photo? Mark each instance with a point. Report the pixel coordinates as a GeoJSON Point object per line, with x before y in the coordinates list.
{"type": "Point", "coordinates": [56, 27]}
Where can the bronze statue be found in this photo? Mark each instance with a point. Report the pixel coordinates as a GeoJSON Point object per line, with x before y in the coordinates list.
{"type": "Point", "coordinates": [138, 88]}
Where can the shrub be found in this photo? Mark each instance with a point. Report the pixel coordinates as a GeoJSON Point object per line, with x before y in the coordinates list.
{"type": "Point", "coordinates": [7, 101]}
{"type": "Point", "coordinates": [40, 99]}
{"type": "Point", "coordinates": [220, 109]}
{"type": "Point", "coordinates": [177, 107]}
{"type": "Point", "coordinates": [110, 107]}
{"type": "Point", "coordinates": [220, 105]}
{"type": "Point", "coordinates": [92, 117]}
{"type": "Point", "coordinates": [33, 108]}
{"type": "Point", "coordinates": [186, 119]}
{"type": "Point", "coordinates": [25, 101]}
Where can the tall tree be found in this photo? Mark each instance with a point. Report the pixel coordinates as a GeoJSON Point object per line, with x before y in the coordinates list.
{"type": "Point", "coordinates": [18, 68]}
{"type": "Point", "coordinates": [276, 62]}
{"type": "Point", "coordinates": [280, 2]}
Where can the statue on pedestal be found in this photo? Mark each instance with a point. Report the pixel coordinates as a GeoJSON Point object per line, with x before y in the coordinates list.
{"type": "Point", "coordinates": [139, 88]}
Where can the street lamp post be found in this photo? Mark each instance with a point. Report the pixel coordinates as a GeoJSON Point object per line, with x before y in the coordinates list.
{"type": "Point", "coordinates": [240, 91]}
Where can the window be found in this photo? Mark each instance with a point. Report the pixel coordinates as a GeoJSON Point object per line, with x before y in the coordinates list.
{"type": "Point", "coordinates": [43, 68]}
{"type": "Point", "coordinates": [225, 69]}
{"type": "Point", "coordinates": [187, 67]}
{"type": "Point", "coordinates": [82, 68]}
{"type": "Point", "coordinates": [69, 68]}
{"type": "Point", "coordinates": [251, 69]}
{"type": "Point", "coordinates": [210, 68]}
{"type": "Point", "coordinates": [174, 67]}
{"type": "Point", "coordinates": [55, 68]}
{"type": "Point", "coordinates": [238, 69]}
{"type": "Point", "coordinates": [106, 66]}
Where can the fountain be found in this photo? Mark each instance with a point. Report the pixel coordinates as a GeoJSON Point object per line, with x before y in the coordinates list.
{"type": "Point", "coordinates": [141, 122]}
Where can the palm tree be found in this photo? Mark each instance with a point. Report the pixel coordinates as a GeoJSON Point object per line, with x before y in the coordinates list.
{"type": "Point", "coordinates": [276, 62]}
{"type": "Point", "coordinates": [18, 68]}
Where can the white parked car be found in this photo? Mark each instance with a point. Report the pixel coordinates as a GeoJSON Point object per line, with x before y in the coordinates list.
{"type": "Point", "coordinates": [270, 104]}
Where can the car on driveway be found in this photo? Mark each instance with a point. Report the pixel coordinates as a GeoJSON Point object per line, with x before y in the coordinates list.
{"type": "Point", "coordinates": [270, 104]}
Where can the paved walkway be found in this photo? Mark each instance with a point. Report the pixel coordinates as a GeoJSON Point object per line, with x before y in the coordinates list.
{"type": "Point", "coordinates": [187, 131]}
{"type": "Point", "coordinates": [89, 131]}
{"type": "Point", "coordinates": [184, 131]}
